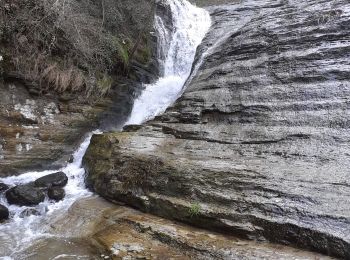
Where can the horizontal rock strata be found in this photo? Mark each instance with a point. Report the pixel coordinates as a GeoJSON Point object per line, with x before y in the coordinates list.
{"type": "Point", "coordinates": [258, 144]}
{"type": "Point", "coordinates": [119, 232]}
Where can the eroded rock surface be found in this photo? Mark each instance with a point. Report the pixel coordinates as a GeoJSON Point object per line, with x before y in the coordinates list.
{"type": "Point", "coordinates": [58, 179]}
{"type": "Point", "coordinates": [258, 145]}
{"type": "Point", "coordinates": [25, 195]}
{"type": "Point", "coordinates": [4, 213]}
{"type": "Point", "coordinates": [119, 232]}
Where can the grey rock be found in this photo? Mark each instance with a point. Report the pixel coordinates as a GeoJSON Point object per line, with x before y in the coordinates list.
{"type": "Point", "coordinates": [56, 193]}
{"type": "Point", "coordinates": [131, 128]}
{"type": "Point", "coordinates": [25, 195]}
{"type": "Point", "coordinates": [58, 179]}
{"type": "Point", "coordinates": [259, 139]}
{"type": "Point", "coordinates": [206, 3]}
{"type": "Point", "coordinates": [4, 213]}
{"type": "Point", "coordinates": [29, 212]}
{"type": "Point", "coordinates": [3, 187]}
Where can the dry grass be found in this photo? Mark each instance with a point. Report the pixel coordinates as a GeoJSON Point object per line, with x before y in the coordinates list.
{"type": "Point", "coordinates": [54, 46]}
{"type": "Point", "coordinates": [65, 45]}
{"type": "Point", "coordinates": [69, 79]}
{"type": "Point", "coordinates": [51, 75]}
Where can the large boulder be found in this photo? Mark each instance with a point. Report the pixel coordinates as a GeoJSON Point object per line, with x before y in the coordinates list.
{"type": "Point", "coordinates": [258, 144]}
{"type": "Point", "coordinates": [56, 193]}
{"type": "Point", "coordinates": [4, 213]}
{"type": "Point", "coordinates": [58, 179]}
{"type": "Point", "coordinates": [25, 195]}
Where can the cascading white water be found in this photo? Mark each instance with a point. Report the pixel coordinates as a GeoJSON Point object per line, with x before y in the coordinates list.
{"type": "Point", "coordinates": [190, 26]}
{"type": "Point", "coordinates": [16, 234]}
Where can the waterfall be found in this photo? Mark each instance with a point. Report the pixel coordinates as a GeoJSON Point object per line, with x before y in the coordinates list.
{"type": "Point", "coordinates": [190, 25]}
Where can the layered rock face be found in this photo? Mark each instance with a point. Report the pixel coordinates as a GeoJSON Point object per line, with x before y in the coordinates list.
{"type": "Point", "coordinates": [206, 3]}
{"type": "Point", "coordinates": [258, 144]}
{"type": "Point", "coordinates": [119, 232]}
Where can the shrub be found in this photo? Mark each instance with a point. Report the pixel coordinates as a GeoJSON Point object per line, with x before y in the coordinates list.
{"type": "Point", "coordinates": [64, 45]}
{"type": "Point", "coordinates": [122, 50]}
{"type": "Point", "coordinates": [104, 84]}
{"type": "Point", "coordinates": [194, 210]}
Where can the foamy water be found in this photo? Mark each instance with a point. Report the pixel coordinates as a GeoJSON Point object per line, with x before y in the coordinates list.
{"type": "Point", "coordinates": [17, 234]}
{"type": "Point", "coordinates": [190, 26]}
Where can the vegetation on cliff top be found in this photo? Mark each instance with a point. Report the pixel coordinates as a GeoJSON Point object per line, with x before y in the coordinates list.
{"type": "Point", "coordinates": [72, 46]}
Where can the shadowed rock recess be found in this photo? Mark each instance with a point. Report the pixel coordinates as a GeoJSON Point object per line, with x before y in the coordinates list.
{"type": "Point", "coordinates": [258, 144]}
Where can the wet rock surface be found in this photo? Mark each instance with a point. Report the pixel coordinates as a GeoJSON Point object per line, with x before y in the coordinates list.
{"type": "Point", "coordinates": [56, 193]}
{"type": "Point", "coordinates": [206, 3]}
{"type": "Point", "coordinates": [29, 212]}
{"type": "Point", "coordinates": [56, 248]}
{"type": "Point", "coordinates": [257, 146]}
{"type": "Point", "coordinates": [33, 193]}
{"type": "Point", "coordinates": [4, 213]}
{"type": "Point", "coordinates": [25, 195]}
{"type": "Point", "coordinates": [118, 232]}
{"type": "Point", "coordinates": [58, 179]}
{"type": "Point", "coordinates": [3, 187]}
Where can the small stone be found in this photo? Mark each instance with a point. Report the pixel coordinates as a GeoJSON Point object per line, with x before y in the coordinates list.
{"type": "Point", "coordinates": [29, 212]}
{"type": "Point", "coordinates": [71, 159]}
{"type": "Point", "coordinates": [56, 193]}
{"type": "Point", "coordinates": [4, 213]}
{"type": "Point", "coordinates": [132, 128]}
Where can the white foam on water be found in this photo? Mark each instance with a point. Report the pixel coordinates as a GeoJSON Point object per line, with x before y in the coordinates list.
{"type": "Point", "coordinates": [17, 234]}
{"type": "Point", "coordinates": [190, 26]}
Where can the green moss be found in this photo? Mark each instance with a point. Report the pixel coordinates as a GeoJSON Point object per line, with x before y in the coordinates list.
{"type": "Point", "coordinates": [122, 49]}
{"type": "Point", "coordinates": [194, 210]}
{"type": "Point", "coordinates": [123, 54]}
{"type": "Point", "coordinates": [104, 84]}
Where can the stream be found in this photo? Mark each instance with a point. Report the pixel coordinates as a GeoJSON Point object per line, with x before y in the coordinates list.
{"type": "Point", "coordinates": [190, 24]}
